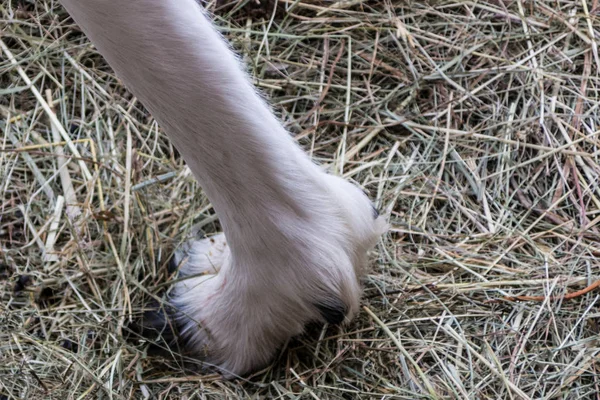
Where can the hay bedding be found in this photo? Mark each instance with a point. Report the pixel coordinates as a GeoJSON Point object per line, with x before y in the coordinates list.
{"type": "Point", "coordinates": [472, 123]}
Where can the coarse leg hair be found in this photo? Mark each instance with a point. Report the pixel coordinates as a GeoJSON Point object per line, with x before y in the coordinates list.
{"type": "Point", "coordinates": [295, 238]}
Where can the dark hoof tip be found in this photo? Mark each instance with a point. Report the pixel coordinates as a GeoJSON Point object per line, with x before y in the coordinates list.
{"type": "Point", "coordinates": [172, 265]}
{"type": "Point", "coordinates": [333, 312]}
{"type": "Point", "coordinates": [157, 326]}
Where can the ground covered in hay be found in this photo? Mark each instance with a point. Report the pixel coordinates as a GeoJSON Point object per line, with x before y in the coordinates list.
{"type": "Point", "coordinates": [473, 124]}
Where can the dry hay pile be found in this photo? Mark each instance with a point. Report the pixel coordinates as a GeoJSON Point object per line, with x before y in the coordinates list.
{"type": "Point", "coordinates": [472, 123]}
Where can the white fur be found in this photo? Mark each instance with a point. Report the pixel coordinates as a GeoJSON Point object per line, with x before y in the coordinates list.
{"type": "Point", "coordinates": [296, 237]}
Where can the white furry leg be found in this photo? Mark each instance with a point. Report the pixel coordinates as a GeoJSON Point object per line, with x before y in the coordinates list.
{"type": "Point", "coordinates": [296, 238]}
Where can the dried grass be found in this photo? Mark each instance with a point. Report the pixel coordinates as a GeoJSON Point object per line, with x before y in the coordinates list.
{"type": "Point", "coordinates": [472, 123]}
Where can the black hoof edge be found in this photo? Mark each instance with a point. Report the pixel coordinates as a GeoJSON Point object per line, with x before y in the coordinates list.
{"type": "Point", "coordinates": [173, 265]}
{"type": "Point", "coordinates": [334, 312]}
{"type": "Point", "coordinates": [375, 212]}
{"type": "Point", "coordinates": [158, 327]}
